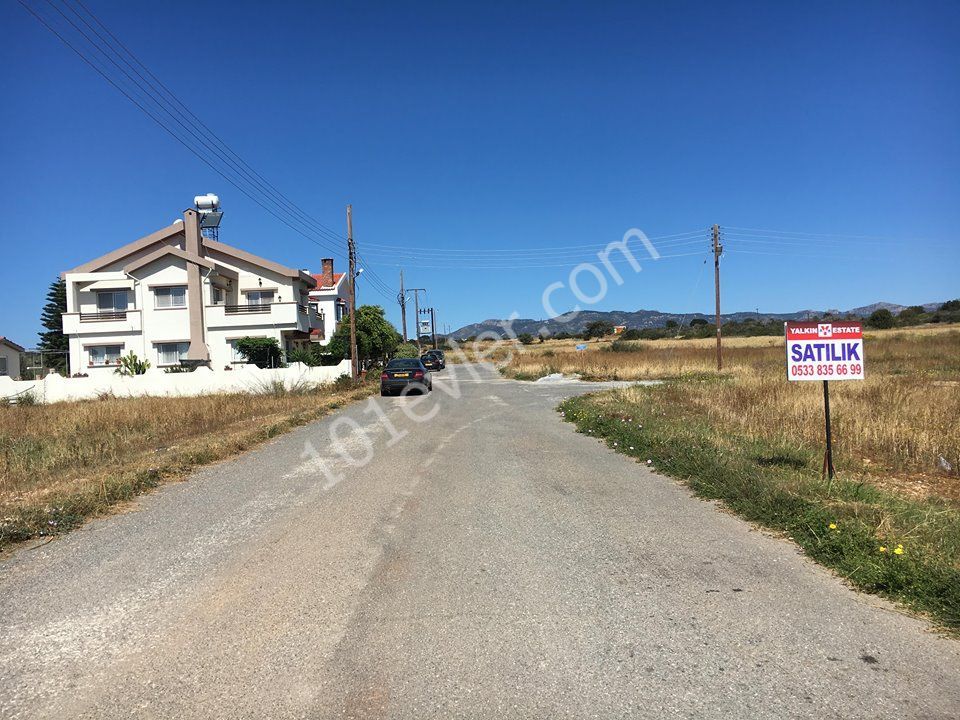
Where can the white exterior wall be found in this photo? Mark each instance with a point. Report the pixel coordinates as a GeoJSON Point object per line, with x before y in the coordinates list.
{"type": "Point", "coordinates": [202, 381]}
{"type": "Point", "coordinates": [12, 358]}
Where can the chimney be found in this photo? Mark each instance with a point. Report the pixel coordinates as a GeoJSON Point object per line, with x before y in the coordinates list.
{"type": "Point", "coordinates": [326, 275]}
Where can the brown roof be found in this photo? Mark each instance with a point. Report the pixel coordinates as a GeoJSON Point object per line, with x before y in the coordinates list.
{"type": "Point", "coordinates": [11, 343]}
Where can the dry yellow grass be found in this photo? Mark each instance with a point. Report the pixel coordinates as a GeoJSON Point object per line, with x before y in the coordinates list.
{"type": "Point", "coordinates": [60, 463]}
{"type": "Point", "coordinates": [892, 428]}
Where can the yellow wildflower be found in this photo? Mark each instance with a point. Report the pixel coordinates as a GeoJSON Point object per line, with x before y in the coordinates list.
{"type": "Point", "coordinates": [882, 549]}
{"type": "Point", "coordinates": [898, 550]}
{"type": "Point", "coordinates": [833, 526]}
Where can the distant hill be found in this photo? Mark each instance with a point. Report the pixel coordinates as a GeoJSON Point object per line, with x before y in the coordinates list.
{"type": "Point", "coordinates": [639, 319]}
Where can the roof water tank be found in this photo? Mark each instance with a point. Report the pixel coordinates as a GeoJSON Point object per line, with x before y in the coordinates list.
{"type": "Point", "coordinates": [207, 203]}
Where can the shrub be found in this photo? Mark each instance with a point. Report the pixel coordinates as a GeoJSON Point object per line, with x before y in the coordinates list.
{"type": "Point", "coordinates": [130, 365]}
{"type": "Point", "coordinates": [625, 346]}
{"type": "Point", "coordinates": [262, 352]}
{"type": "Point", "coordinates": [881, 319]}
{"type": "Point", "coordinates": [309, 357]}
{"type": "Point", "coordinates": [406, 350]}
{"type": "Point", "coordinates": [525, 338]}
{"type": "Point", "coordinates": [344, 382]}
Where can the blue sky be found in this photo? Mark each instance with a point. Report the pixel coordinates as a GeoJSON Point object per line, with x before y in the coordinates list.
{"type": "Point", "coordinates": [484, 132]}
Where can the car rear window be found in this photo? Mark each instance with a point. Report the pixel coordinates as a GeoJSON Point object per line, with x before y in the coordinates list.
{"type": "Point", "coordinates": [403, 364]}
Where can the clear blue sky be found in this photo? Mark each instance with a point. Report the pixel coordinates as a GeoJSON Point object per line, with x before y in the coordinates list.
{"type": "Point", "coordinates": [498, 126]}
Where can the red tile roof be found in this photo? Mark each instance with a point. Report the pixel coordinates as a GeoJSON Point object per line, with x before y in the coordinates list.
{"type": "Point", "coordinates": [320, 279]}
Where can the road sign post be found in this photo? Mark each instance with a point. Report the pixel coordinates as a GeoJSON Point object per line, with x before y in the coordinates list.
{"type": "Point", "coordinates": [824, 352]}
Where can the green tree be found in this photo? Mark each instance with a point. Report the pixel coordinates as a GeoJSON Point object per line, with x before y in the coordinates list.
{"type": "Point", "coordinates": [598, 329]}
{"type": "Point", "coordinates": [671, 324]}
{"type": "Point", "coordinates": [52, 339]}
{"type": "Point", "coordinates": [376, 337]}
{"type": "Point", "coordinates": [881, 319]}
{"type": "Point", "coordinates": [951, 306]}
{"type": "Point", "coordinates": [262, 352]}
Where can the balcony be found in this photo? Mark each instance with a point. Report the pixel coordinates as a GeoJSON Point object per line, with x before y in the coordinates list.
{"type": "Point", "coordinates": [103, 315]}
{"type": "Point", "coordinates": [248, 309]}
{"type": "Point", "coordinates": [102, 322]}
{"type": "Point", "coordinates": [285, 315]}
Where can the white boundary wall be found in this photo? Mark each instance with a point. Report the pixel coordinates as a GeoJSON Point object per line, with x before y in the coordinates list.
{"type": "Point", "coordinates": [155, 382]}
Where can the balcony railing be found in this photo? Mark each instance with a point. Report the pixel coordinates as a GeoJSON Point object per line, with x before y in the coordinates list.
{"type": "Point", "coordinates": [247, 308]}
{"type": "Point", "coordinates": [103, 315]}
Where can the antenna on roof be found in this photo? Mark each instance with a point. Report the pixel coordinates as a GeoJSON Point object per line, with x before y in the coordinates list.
{"type": "Point", "coordinates": [208, 206]}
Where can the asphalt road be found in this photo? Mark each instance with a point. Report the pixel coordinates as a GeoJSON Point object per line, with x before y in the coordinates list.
{"type": "Point", "coordinates": [491, 563]}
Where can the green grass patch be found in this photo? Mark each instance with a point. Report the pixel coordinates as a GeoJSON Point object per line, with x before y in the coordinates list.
{"type": "Point", "coordinates": [903, 549]}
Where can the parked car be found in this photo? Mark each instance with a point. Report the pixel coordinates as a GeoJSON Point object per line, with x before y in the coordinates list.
{"type": "Point", "coordinates": [430, 361]}
{"type": "Point", "coordinates": [401, 373]}
{"type": "Point", "coordinates": [438, 355]}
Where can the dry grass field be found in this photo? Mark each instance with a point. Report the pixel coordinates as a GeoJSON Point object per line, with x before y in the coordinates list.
{"type": "Point", "coordinates": [64, 462]}
{"type": "Point", "coordinates": [893, 427]}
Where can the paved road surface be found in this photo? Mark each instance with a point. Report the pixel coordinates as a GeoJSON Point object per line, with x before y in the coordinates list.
{"type": "Point", "coordinates": [493, 563]}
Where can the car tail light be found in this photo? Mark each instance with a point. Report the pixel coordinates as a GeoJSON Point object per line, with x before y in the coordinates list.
{"type": "Point", "coordinates": [418, 374]}
{"type": "Point", "coordinates": [384, 376]}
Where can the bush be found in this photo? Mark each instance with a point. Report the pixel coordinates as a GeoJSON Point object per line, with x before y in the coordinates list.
{"type": "Point", "coordinates": [621, 345]}
{"type": "Point", "coordinates": [309, 357]}
{"type": "Point", "coordinates": [344, 382]}
{"type": "Point", "coordinates": [525, 338]}
{"type": "Point", "coordinates": [881, 319]}
{"type": "Point", "coordinates": [406, 350]}
{"type": "Point", "coordinates": [262, 352]}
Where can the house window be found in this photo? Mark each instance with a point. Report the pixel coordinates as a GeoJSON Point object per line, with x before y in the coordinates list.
{"type": "Point", "coordinates": [171, 353]}
{"type": "Point", "coordinates": [3, 366]}
{"type": "Point", "coordinates": [171, 297]}
{"type": "Point", "coordinates": [259, 297]}
{"type": "Point", "coordinates": [112, 301]}
{"type": "Point", "coordinates": [217, 295]}
{"type": "Point", "coordinates": [340, 310]}
{"type": "Point", "coordinates": [101, 355]}
{"type": "Point", "coordinates": [235, 355]}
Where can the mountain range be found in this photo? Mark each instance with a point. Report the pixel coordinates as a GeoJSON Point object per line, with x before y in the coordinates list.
{"type": "Point", "coordinates": [575, 322]}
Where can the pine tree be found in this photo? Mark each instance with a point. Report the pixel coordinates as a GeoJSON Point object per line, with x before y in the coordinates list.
{"type": "Point", "coordinates": [52, 339]}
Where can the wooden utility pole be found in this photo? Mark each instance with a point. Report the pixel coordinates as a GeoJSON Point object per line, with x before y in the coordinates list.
{"type": "Point", "coordinates": [433, 327]}
{"type": "Point", "coordinates": [402, 299]}
{"type": "Point", "coordinates": [717, 250]}
{"type": "Point", "coordinates": [352, 255]}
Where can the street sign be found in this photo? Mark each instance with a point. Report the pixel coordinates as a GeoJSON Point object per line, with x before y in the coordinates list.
{"type": "Point", "coordinates": [824, 351]}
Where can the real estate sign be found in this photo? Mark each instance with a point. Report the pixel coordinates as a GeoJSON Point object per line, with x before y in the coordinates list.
{"type": "Point", "coordinates": [824, 351]}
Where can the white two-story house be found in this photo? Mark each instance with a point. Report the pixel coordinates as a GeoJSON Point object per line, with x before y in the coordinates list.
{"type": "Point", "coordinates": [331, 301]}
{"type": "Point", "coordinates": [176, 295]}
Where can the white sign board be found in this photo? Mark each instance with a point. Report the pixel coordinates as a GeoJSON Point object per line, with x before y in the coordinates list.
{"type": "Point", "coordinates": [424, 327]}
{"type": "Point", "coordinates": [824, 351]}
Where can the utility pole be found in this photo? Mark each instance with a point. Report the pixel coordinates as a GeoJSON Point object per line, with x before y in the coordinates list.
{"type": "Point", "coordinates": [416, 314]}
{"type": "Point", "coordinates": [433, 327]}
{"type": "Point", "coordinates": [402, 299]}
{"type": "Point", "coordinates": [717, 250]}
{"type": "Point", "coordinates": [352, 255]}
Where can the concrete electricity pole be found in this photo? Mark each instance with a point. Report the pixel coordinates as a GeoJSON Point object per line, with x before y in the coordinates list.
{"type": "Point", "coordinates": [352, 255]}
{"type": "Point", "coordinates": [717, 250]}
{"type": "Point", "coordinates": [416, 314]}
